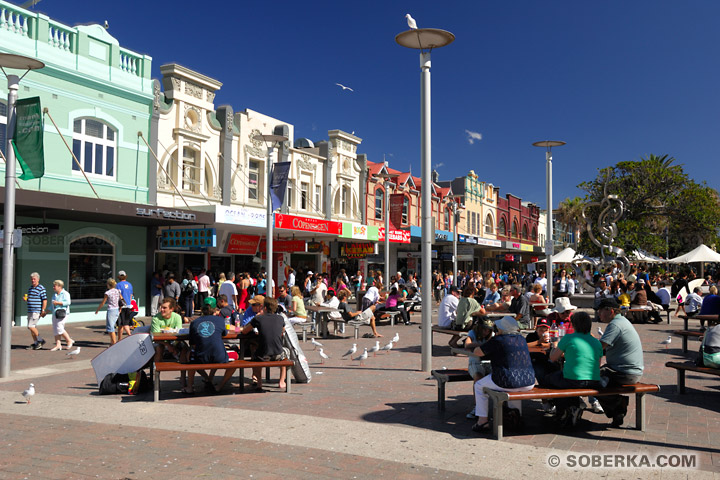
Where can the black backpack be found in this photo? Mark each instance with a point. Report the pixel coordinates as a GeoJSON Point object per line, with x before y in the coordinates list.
{"type": "Point", "coordinates": [115, 383]}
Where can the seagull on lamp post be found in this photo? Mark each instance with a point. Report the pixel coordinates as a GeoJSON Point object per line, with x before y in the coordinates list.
{"type": "Point", "coordinates": [411, 22]}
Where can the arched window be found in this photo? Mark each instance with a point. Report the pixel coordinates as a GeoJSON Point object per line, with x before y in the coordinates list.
{"type": "Point", "coordinates": [94, 146]}
{"type": "Point", "coordinates": [405, 210]}
{"type": "Point", "coordinates": [502, 228]}
{"type": "Point", "coordinates": [489, 224]}
{"type": "Point", "coordinates": [191, 170]}
{"type": "Point", "coordinates": [379, 203]}
{"type": "Point", "coordinates": [534, 233]}
{"type": "Point", "coordinates": [447, 218]}
{"type": "Point", "coordinates": [91, 262]}
{"type": "Point", "coordinates": [514, 229]}
{"type": "Point", "coordinates": [524, 232]}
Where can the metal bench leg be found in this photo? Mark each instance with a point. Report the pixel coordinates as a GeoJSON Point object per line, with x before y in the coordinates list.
{"type": "Point", "coordinates": [357, 331]}
{"type": "Point", "coordinates": [156, 387]}
{"type": "Point", "coordinates": [497, 417]}
{"type": "Point", "coordinates": [681, 380]}
{"type": "Point", "coordinates": [267, 374]}
{"type": "Point", "coordinates": [441, 393]}
{"type": "Point", "coordinates": [640, 411]}
{"type": "Point", "coordinates": [242, 379]}
{"type": "Point", "coordinates": [392, 320]}
{"type": "Point", "coordinates": [684, 343]}
{"type": "Point", "coordinates": [288, 381]}
{"type": "Point", "coordinates": [304, 331]}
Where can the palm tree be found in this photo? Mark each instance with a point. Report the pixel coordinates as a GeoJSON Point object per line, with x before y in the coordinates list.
{"type": "Point", "coordinates": [569, 212]}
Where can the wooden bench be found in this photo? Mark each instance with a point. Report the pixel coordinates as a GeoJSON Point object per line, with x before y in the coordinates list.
{"type": "Point", "coordinates": [239, 364]}
{"type": "Point", "coordinates": [499, 398]}
{"type": "Point", "coordinates": [691, 367]}
{"type": "Point", "coordinates": [448, 375]}
{"type": "Point", "coordinates": [685, 334]}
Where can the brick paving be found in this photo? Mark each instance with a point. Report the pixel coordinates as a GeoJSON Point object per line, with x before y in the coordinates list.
{"type": "Point", "coordinates": [388, 392]}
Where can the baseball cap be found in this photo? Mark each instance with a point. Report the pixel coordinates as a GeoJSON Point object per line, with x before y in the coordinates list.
{"type": "Point", "coordinates": [309, 272]}
{"type": "Point", "coordinates": [122, 273]}
{"type": "Point", "coordinates": [542, 322]}
{"type": "Point", "coordinates": [210, 302]}
{"type": "Point", "coordinates": [454, 289]}
{"type": "Point", "coordinates": [608, 303]}
{"type": "Point", "coordinates": [257, 300]}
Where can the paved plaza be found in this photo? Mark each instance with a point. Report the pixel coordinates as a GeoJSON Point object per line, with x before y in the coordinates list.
{"type": "Point", "coordinates": [372, 421]}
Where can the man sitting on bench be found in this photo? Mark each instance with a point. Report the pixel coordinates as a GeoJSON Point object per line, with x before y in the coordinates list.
{"type": "Point", "coordinates": [271, 328]}
{"type": "Point", "coordinates": [710, 347]}
{"type": "Point", "coordinates": [623, 357]}
{"type": "Point", "coordinates": [367, 316]}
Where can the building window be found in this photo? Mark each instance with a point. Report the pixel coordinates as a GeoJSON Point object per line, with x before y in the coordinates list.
{"type": "Point", "coordinates": [502, 228]}
{"type": "Point", "coordinates": [94, 146]}
{"type": "Point", "coordinates": [488, 224]}
{"type": "Point", "coordinates": [191, 171]}
{"type": "Point", "coordinates": [534, 233]}
{"type": "Point", "coordinates": [91, 262]}
{"type": "Point", "coordinates": [379, 202]}
{"type": "Point", "coordinates": [290, 194]}
{"type": "Point", "coordinates": [254, 180]}
{"type": "Point", "coordinates": [304, 195]}
{"type": "Point", "coordinates": [473, 228]}
{"type": "Point", "coordinates": [524, 232]}
{"type": "Point", "coordinates": [344, 199]}
{"type": "Point", "coordinates": [447, 219]}
{"type": "Point", "coordinates": [318, 198]}
{"type": "Point", "coordinates": [405, 210]}
{"type": "Point", "coordinates": [514, 229]}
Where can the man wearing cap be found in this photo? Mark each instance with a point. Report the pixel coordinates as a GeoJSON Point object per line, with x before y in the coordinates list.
{"type": "Point", "coordinates": [126, 313]}
{"type": "Point", "coordinates": [623, 357]}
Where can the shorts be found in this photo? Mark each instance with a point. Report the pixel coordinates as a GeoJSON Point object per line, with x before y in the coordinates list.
{"type": "Point", "coordinates": [365, 317]}
{"type": "Point", "coordinates": [125, 318]}
{"type": "Point", "coordinates": [273, 358]}
{"type": "Point", "coordinates": [33, 319]}
{"type": "Point", "coordinates": [111, 319]}
{"type": "Point", "coordinates": [58, 325]}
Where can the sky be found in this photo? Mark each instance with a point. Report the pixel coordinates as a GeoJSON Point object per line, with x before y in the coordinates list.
{"type": "Point", "coordinates": [616, 80]}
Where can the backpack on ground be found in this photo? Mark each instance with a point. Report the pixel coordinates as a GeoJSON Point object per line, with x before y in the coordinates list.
{"type": "Point", "coordinates": [125, 383]}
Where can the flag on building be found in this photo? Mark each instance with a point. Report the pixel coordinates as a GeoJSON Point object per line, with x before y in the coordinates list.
{"type": "Point", "coordinates": [27, 139]}
{"type": "Point", "coordinates": [278, 184]}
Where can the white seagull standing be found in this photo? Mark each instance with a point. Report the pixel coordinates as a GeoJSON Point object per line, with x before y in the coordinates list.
{"type": "Point", "coordinates": [667, 341]}
{"type": "Point", "coordinates": [74, 353]}
{"type": "Point", "coordinates": [387, 347]}
{"type": "Point", "coordinates": [29, 392]}
{"type": "Point", "coordinates": [352, 350]}
{"type": "Point", "coordinates": [396, 338]}
{"type": "Point", "coordinates": [362, 357]}
{"type": "Point", "coordinates": [411, 22]}
{"type": "Point", "coordinates": [344, 87]}
{"type": "Point", "coordinates": [316, 343]}
{"type": "Point", "coordinates": [323, 356]}
{"type": "Point", "coordinates": [375, 348]}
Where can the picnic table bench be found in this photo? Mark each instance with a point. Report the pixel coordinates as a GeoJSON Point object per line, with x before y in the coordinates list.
{"type": "Point", "coordinates": [707, 318]}
{"type": "Point", "coordinates": [239, 364]}
{"type": "Point", "coordinates": [685, 334]}
{"type": "Point", "coordinates": [691, 367]}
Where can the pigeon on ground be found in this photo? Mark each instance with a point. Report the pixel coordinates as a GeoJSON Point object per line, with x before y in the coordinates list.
{"type": "Point", "coordinates": [344, 87]}
{"type": "Point", "coordinates": [599, 331]}
{"type": "Point", "coordinates": [74, 352]}
{"type": "Point", "coordinates": [396, 338]}
{"type": "Point", "coordinates": [362, 357]}
{"type": "Point", "coordinates": [667, 341]}
{"type": "Point", "coordinates": [323, 356]}
{"type": "Point", "coordinates": [352, 350]}
{"type": "Point", "coordinates": [387, 347]}
{"type": "Point", "coordinates": [376, 348]}
{"type": "Point", "coordinates": [315, 343]}
{"type": "Point", "coordinates": [29, 392]}
{"type": "Point", "coordinates": [411, 22]}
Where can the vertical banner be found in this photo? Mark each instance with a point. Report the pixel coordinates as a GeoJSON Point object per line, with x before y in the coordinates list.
{"type": "Point", "coordinates": [278, 184]}
{"type": "Point", "coordinates": [27, 139]}
{"type": "Point", "coordinates": [396, 208]}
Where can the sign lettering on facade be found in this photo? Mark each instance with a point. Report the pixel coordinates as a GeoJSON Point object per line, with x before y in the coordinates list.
{"type": "Point", "coordinates": [252, 217]}
{"type": "Point", "coordinates": [307, 224]}
{"type": "Point", "coordinates": [396, 236]}
{"type": "Point", "coordinates": [162, 213]}
{"type": "Point", "coordinates": [284, 246]}
{"type": "Point", "coordinates": [243, 244]}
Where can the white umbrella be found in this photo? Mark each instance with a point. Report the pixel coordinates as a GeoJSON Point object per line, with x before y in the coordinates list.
{"type": "Point", "coordinates": [700, 254]}
{"type": "Point", "coordinates": [565, 256]}
{"type": "Point", "coordinates": [643, 256]}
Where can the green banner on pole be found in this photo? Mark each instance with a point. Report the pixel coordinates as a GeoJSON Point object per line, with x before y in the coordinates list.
{"type": "Point", "coordinates": [27, 140]}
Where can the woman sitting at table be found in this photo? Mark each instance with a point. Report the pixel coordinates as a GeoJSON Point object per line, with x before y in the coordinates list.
{"type": "Point", "coordinates": [537, 297]}
{"type": "Point", "coordinates": [297, 313]}
{"type": "Point", "coordinates": [581, 369]}
{"type": "Point", "coordinates": [481, 333]}
{"type": "Point", "coordinates": [395, 303]}
{"type": "Point", "coordinates": [511, 368]}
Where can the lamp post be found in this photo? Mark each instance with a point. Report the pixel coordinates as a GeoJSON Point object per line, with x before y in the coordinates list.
{"type": "Point", "coordinates": [8, 275]}
{"type": "Point", "coordinates": [549, 244]}
{"type": "Point", "coordinates": [425, 40]}
{"type": "Point", "coordinates": [270, 142]}
{"type": "Point", "coordinates": [386, 183]}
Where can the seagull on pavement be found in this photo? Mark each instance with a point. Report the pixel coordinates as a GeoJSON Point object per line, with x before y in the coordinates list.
{"type": "Point", "coordinates": [323, 356]}
{"type": "Point", "coordinates": [667, 341]}
{"type": "Point", "coordinates": [352, 350]}
{"type": "Point", "coordinates": [344, 87]}
{"type": "Point", "coordinates": [375, 348]}
{"type": "Point", "coordinates": [29, 392]}
{"type": "Point", "coordinates": [396, 338]}
{"type": "Point", "coordinates": [387, 347]}
{"type": "Point", "coordinates": [362, 357]}
{"type": "Point", "coordinates": [316, 343]}
{"type": "Point", "coordinates": [411, 22]}
{"type": "Point", "coordinates": [74, 352]}
{"type": "Point", "coordinates": [599, 331]}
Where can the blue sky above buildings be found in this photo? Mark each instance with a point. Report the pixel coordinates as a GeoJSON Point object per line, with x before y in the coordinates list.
{"type": "Point", "coordinates": [616, 80]}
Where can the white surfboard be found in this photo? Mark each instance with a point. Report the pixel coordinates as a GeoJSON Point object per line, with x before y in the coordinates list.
{"type": "Point", "coordinates": [691, 286]}
{"type": "Point", "coordinates": [301, 369]}
{"type": "Point", "coordinates": [128, 355]}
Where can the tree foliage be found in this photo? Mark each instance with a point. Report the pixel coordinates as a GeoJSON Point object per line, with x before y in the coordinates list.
{"type": "Point", "coordinates": [657, 195]}
{"type": "Point", "coordinates": [569, 213]}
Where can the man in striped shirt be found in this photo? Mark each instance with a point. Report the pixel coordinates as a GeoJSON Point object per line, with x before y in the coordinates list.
{"type": "Point", "coordinates": [36, 298]}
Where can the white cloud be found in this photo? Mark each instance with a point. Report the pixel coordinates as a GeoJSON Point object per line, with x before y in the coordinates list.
{"type": "Point", "coordinates": [473, 137]}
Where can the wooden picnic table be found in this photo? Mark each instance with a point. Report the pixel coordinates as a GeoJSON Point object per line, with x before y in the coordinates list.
{"type": "Point", "coordinates": [323, 312]}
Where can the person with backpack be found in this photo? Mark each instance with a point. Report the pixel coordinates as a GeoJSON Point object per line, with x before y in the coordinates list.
{"type": "Point", "coordinates": [188, 288]}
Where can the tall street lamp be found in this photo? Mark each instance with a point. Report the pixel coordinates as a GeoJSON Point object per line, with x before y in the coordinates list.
{"type": "Point", "coordinates": [549, 244]}
{"type": "Point", "coordinates": [8, 275]}
{"type": "Point", "coordinates": [270, 142]}
{"type": "Point", "coordinates": [425, 40]}
{"type": "Point", "coordinates": [387, 184]}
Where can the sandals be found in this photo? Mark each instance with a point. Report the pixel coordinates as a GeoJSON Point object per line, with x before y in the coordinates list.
{"type": "Point", "coordinates": [185, 391]}
{"type": "Point", "coordinates": [368, 335]}
{"type": "Point", "coordinates": [485, 427]}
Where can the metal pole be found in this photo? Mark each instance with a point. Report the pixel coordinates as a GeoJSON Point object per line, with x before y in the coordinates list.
{"type": "Point", "coordinates": [387, 236]}
{"type": "Point", "coordinates": [270, 226]}
{"type": "Point", "coordinates": [427, 226]}
{"type": "Point", "coordinates": [549, 244]}
{"type": "Point", "coordinates": [7, 316]}
{"type": "Point", "coordinates": [455, 262]}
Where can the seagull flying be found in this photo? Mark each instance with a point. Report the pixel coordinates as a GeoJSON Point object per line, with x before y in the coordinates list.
{"type": "Point", "coordinates": [352, 350]}
{"type": "Point", "coordinates": [387, 347]}
{"type": "Point", "coordinates": [316, 343]}
{"type": "Point", "coordinates": [375, 348]}
{"type": "Point", "coordinates": [396, 338]}
{"type": "Point", "coordinates": [362, 357]}
{"type": "Point", "coordinates": [411, 22]}
{"type": "Point", "coordinates": [74, 352]}
{"type": "Point", "coordinates": [29, 392]}
{"type": "Point", "coordinates": [323, 356]}
{"type": "Point", "coordinates": [667, 341]}
{"type": "Point", "coordinates": [344, 87]}
{"type": "Point", "coordinates": [600, 332]}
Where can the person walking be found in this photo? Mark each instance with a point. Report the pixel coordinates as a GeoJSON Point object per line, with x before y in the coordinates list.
{"type": "Point", "coordinates": [36, 299]}
{"type": "Point", "coordinates": [112, 298]}
{"type": "Point", "coordinates": [60, 307]}
{"type": "Point", "coordinates": [126, 313]}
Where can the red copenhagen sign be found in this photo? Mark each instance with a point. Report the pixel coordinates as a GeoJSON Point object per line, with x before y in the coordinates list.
{"type": "Point", "coordinates": [396, 236]}
{"type": "Point", "coordinates": [306, 224]}
{"type": "Point", "coordinates": [533, 259]}
{"type": "Point", "coordinates": [243, 244]}
{"type": "Point", "coordinates": [284, 246]}
{"type": "Point", "coordinates": [509, 257]}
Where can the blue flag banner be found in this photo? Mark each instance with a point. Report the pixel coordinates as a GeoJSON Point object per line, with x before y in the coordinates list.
{"type": "Point", "coordinates": [278, 183]}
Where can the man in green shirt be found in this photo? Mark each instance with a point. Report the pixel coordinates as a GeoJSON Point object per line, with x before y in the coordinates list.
{"type": "Point", "coordinates": [166, 318]}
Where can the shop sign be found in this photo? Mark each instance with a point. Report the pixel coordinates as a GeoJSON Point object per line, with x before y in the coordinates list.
{"type": "Point", "coordinates": [38, 228]}
{"type": "Point", "coordinates": [162, 213]}
{"type": "Point", "coordinates": [489, 243]}
{"type": "Point", "coordinates": [358, 231]}
{"type": "Point", "coordinates": [433, 254]}
{"type": "Point", "coordinates": [284, 246]}
{"type": "Point", "coordinates": [509, 257]}
{"type": "Point", "coordinates": [314, 247]}
{"type": "Point", "coordinates": [188, 238]}
{"type": "Point", "coordinates": [468, 239]}
{"type": "Point", "coordinates": [446, 257]}
{"type": "Point", "coordinates": [526, 248]}
{"type": "Point", "coordinates": [533, 259]}
{"type": "Point", "coordinates": [248, 216]}
{"type": "Point", "coordinates": [396, 236]}
{"type": "Point", "coordinates": [512, 245]}
{"type": "Point", "coordinates": [243, 244]}
{"type": "Point", "coordinates": [356, 250]}
{"type": "Point", "coordinates": [307, 224]}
